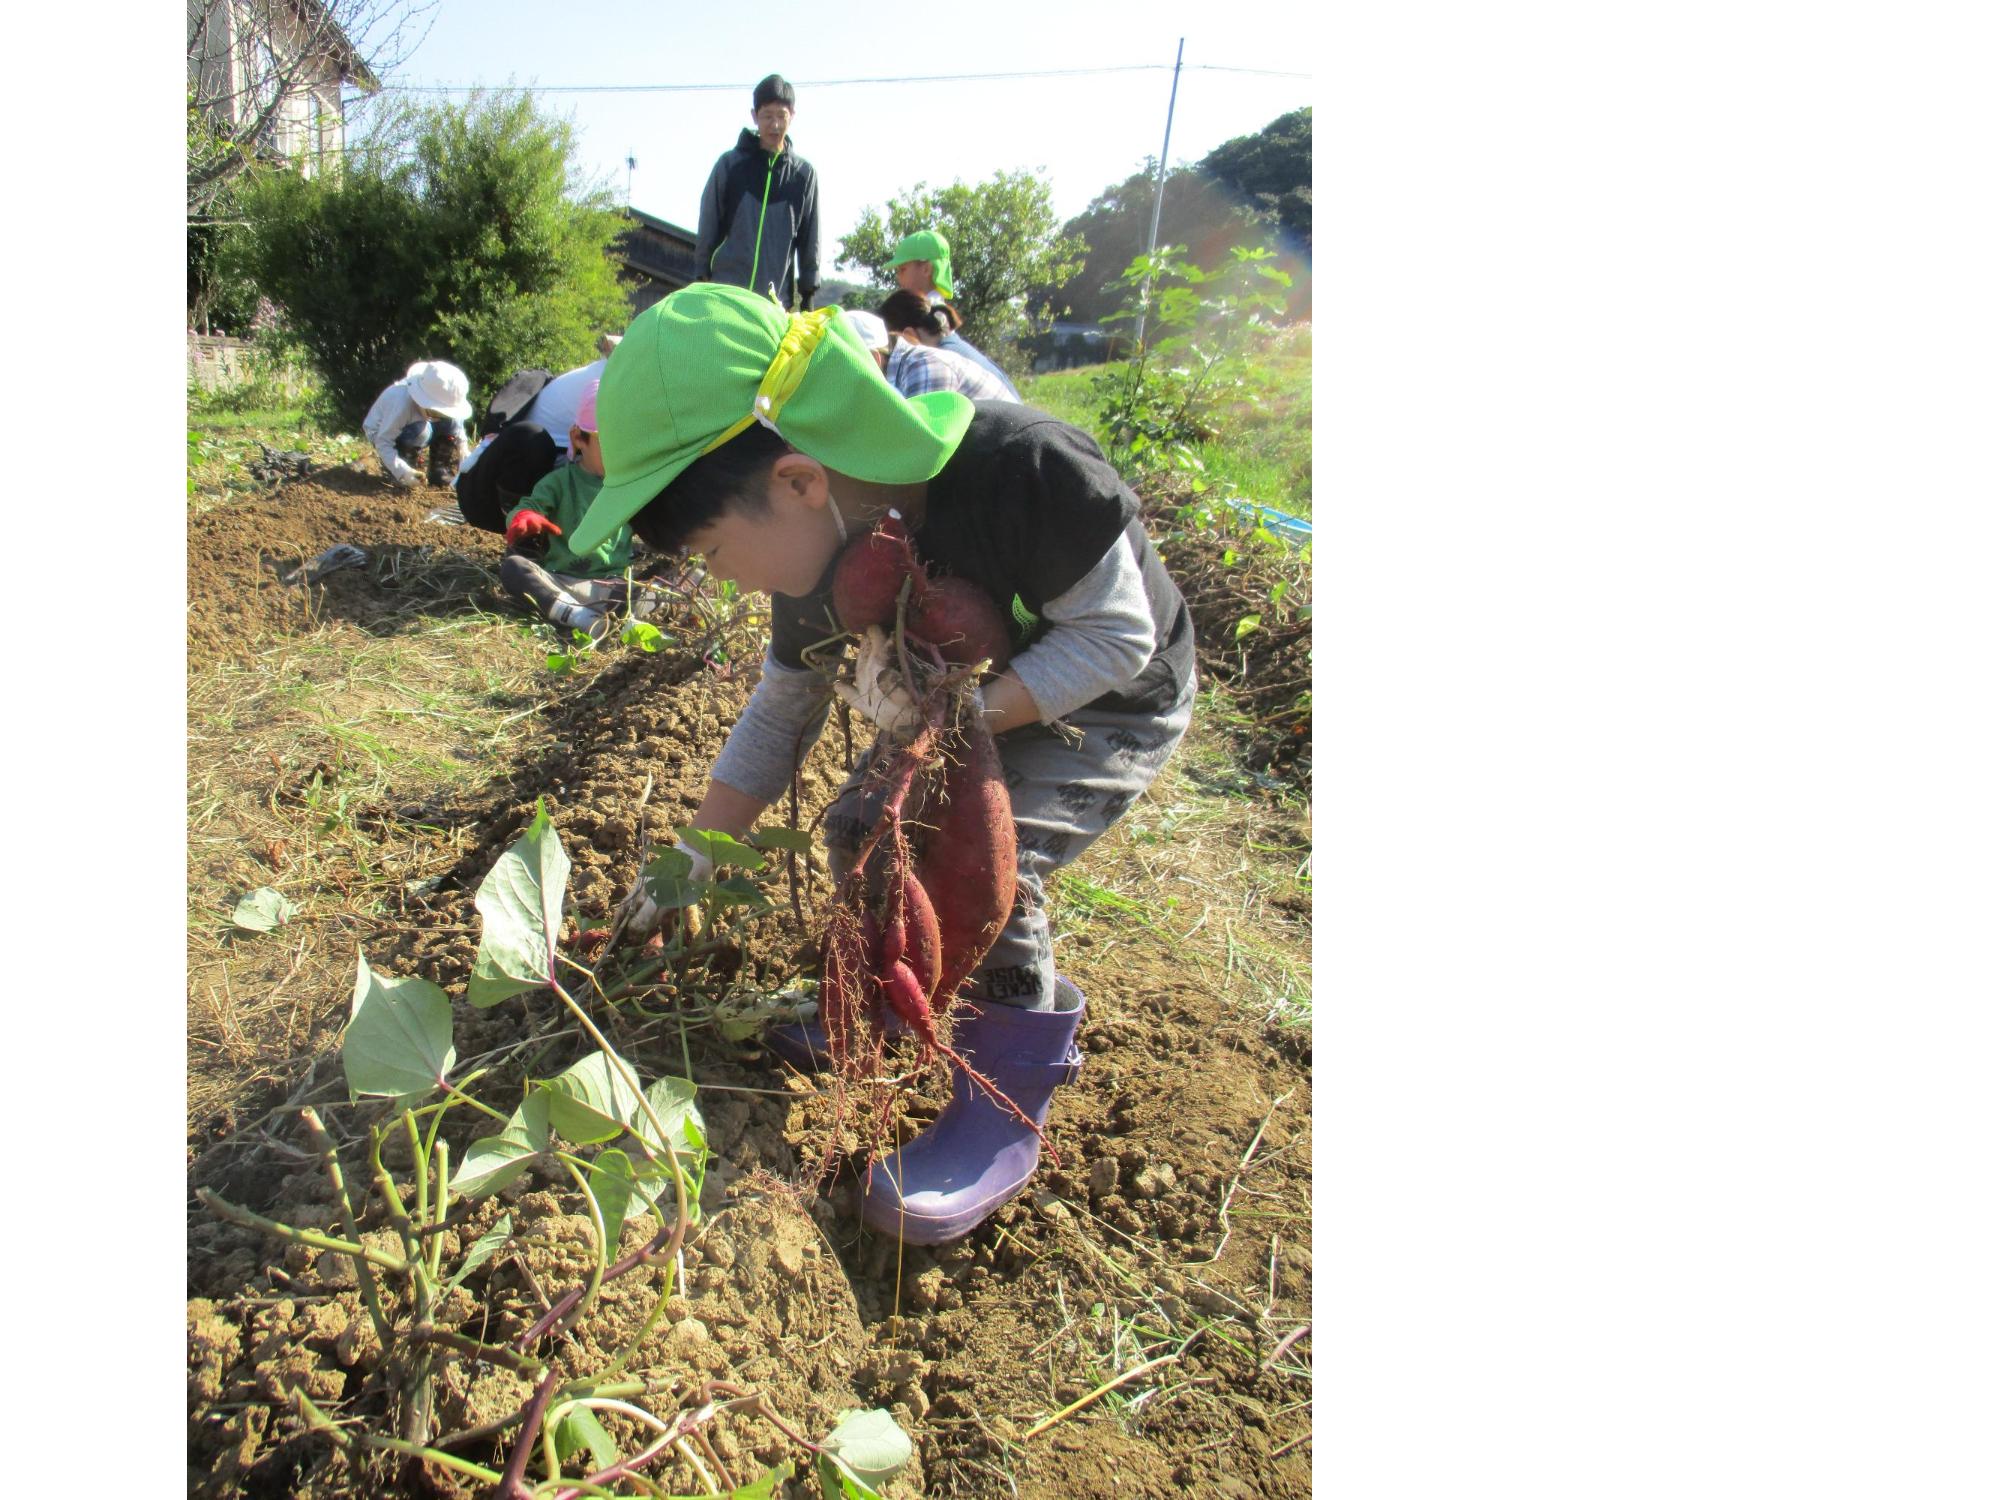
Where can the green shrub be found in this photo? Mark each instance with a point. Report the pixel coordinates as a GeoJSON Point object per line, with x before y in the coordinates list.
{"type": "Point", "coordinates": [1155, 407]}
{"type": "Point", "coordinates": [457, 232]}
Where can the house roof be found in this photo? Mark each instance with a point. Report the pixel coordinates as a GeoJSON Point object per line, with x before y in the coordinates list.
{"type": "Point", "coordinates": [320, 22]}
{"type": "Point", "coordinates": [662, 226]}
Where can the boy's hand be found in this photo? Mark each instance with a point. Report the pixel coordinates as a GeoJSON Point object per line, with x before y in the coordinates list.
{"type": "Point", "coordinates": [640, 916]}
{"type": "Point", "coordinates": [878, 691]}
{"type": "Point", "coordinates": [530, 525]}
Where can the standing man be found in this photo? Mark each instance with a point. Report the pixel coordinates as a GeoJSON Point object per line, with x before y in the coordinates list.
{"type": "Point", "coordinates": [761, 207]}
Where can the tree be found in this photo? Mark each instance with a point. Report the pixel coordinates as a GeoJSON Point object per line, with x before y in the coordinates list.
{"type": "Point", "coordinates": [1272, 169]}
{"type": "Point", "coordinates": [1004, 243]}
{"type": "Point", "coordinates": [460, 232]}
{"type": "Point", "coordinates": [1196, 212]}
{"type": "Point", "coordinates": [253, 65]}
{"type": "Point", "coordinates": [1246, 191]}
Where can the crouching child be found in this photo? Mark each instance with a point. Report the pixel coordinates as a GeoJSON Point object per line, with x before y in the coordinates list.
{"type": "Point", "coordinates": [421, 417]}
{"type": "Point", "coordinates": [571, 586]}
{"type": "Point", "coordinates": [765, 442]}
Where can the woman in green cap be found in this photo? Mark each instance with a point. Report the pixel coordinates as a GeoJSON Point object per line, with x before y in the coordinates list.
{"type": "Point", "coordinates": [765, 442]}
{"type": "Point", "coordinates": [922, 264]}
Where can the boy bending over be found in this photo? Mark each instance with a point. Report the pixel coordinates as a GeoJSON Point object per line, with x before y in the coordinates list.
{"type": "Point", "coordinates": [765, 442]}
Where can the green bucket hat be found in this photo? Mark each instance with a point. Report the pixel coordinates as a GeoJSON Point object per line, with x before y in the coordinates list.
{"type": "Point", "coordinates": [927, 244]}
{"type": "Point", "coordinates": [700, 366]}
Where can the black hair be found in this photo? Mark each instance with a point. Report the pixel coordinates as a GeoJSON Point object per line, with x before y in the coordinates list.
{"type": "Point", "coordinates": [900, 310]}
{"type": "Point", "coordinates": [773, 90]}
{"type": "Point", "coordinates": [734, 477]}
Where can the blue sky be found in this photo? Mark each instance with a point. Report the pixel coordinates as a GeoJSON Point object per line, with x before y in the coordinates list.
{"type": "Point", "coordinates": [870, 141]}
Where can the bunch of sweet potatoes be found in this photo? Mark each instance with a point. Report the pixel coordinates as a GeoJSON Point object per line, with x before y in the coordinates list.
{"type": "Point", "coordinates": [933, 883]}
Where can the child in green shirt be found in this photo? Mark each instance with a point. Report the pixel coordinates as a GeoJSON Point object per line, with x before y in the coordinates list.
{"type": "Point", "coordinates": [572, 590]}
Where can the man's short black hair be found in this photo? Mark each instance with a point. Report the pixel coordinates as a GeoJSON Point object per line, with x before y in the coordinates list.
{"type": "Point", "coordinates": [735, 476]}
{"type": "Point", "coordinates": [774, 90]}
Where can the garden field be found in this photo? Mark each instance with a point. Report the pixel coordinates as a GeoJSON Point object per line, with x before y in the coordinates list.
{"type": "Point", "coordinates": [365, 744]}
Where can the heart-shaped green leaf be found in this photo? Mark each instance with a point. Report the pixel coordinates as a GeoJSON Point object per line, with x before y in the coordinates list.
{"type": "Point", "coordinates": [646, 637]}
{"type": "Point", "coordinates": [721, 848]}
{"type": "Point", "coordinates": [673, 1101]}
{"type": "Point", "coordinates": [493, 1161]}
{"type": "Point", "coordinates": [263, 910]}
{"type": "Point", "coordinates": [398, 1041]}
{"type": "Point", "coordinates": [520, 905]}
{"type": "Point", "coordinates": [670, 882]}
{"type": "Point", "coordinates": [870, 1445]}
{"type": "Point", "coordinates": [580, 1428]}
{"type": "Point", "coordinates": [589, 1101]}
{"type": "Point", "coordinates": [738, 890]}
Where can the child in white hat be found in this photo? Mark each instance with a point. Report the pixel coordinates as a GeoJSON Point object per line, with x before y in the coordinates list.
{"type": "Point", "coordinates": [427, 408]}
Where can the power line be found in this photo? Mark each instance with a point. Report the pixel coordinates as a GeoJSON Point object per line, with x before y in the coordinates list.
{"type": "Point", "coordinates": [821, 83]}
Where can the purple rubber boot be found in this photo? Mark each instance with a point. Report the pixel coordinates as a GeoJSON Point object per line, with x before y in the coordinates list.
{"type": "Point", "coordinates": [803, 1043]}
{"type": "Point", "coordinates": [976, 1156]}
{"type": "Point", "coordinates": [800, 1043]}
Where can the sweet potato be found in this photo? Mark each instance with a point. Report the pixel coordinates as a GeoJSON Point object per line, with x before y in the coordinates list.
{"type": "Point", "coordinates": [905, 931]}
{"type": "Point", "coordinates": [960, 619]}
{"type": "Point", "coordinates": [869, 576]}
{"type": "Point", "coordinates": [905, 996]}
{"type": "Point", "coordinates": [968, 863]}
{"type": "Point", "coordinates": [920, 932]}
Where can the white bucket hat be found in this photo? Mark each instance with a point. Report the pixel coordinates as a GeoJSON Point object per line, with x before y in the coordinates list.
{"type": "Point", "coordinates": [874, 332]}
{"type": "Point", "coordinates": [439, 387]}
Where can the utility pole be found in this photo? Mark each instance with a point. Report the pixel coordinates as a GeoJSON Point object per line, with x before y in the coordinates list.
{"type": "Point", "coordinates": [1160, 192]}
{"type": "Point", "coordinates": [630, 163]}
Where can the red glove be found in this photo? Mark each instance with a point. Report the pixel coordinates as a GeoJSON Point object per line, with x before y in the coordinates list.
{"type": "Point", "coordinates": [530, 525]}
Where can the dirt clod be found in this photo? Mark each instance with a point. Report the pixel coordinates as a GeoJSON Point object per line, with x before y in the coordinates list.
{"type": "Point", "coordinates": [1154, 1180]}
{"type": "Point", "coordinates": [1103, 1177]}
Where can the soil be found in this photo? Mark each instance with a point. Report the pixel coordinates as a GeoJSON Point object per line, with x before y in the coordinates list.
{"type": "Point", "coordinates": [969, 1346]}
{"type": "Point", "coordinates": [240, 554]}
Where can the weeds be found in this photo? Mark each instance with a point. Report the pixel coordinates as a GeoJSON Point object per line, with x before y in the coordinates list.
{"type": "Point", "coordinates": [1155, 407]}
{"type": "Point", "coordinates": [650, 1148]}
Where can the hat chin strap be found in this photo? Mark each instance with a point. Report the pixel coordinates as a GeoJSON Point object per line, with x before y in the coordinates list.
{"type": "Point", "coordinates": [839, 526]}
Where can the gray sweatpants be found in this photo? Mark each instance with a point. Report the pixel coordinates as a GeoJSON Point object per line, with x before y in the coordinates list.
{"type": "Point", "coordinates": [527, 579]}
{"type": "Point", "coordinates": [1065, 796]}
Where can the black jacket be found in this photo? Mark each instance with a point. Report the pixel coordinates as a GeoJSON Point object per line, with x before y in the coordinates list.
{"type": "Point", "coordinates": [748, 188]}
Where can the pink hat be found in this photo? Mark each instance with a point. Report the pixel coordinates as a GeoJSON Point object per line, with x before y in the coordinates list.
{"type": "Point", "coordinates": [586, 409]}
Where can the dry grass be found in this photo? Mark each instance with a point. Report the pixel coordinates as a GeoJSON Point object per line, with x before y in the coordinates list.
{"type": "Point", "coordinates": [290, 755]}
{"type": "Point", "coordinates": [1216, 863]}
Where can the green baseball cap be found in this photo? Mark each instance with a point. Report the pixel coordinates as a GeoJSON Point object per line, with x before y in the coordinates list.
{"type": "Point", "coordinates": [926, 244]}
{"type": "Point", "coordinates": [701, 365]}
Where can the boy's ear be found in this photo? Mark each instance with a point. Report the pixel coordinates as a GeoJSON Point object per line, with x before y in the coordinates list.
{"type": "Point", "coordinates": [803, 478]}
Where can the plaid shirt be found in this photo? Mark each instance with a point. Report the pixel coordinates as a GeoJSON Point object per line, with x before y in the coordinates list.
{"type": "Point", "coordinates": [916, 368]}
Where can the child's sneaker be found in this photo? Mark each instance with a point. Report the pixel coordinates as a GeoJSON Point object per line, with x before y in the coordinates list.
{"type": "Point", "coordinates": [594, 623]}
